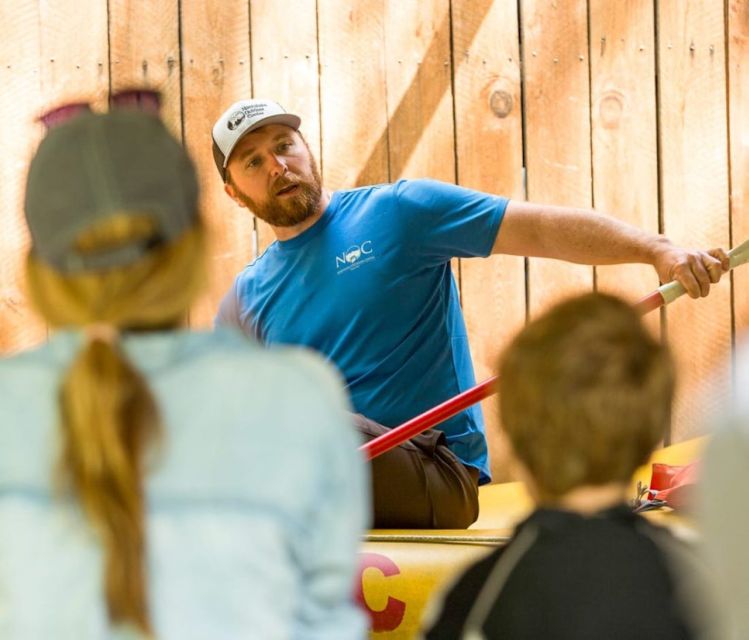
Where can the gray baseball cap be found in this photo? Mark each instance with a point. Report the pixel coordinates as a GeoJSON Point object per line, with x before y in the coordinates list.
{"type": "Point", "coordinates": [97, 165]}
{"type": "Point", "coordinates": [241, 118]}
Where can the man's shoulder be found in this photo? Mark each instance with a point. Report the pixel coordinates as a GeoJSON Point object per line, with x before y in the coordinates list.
{"type": "Point", "coordinates": [392, 189]}
{"type": "Point", "coordinates": [392, 197]}
{"type": "Point", "coordinates": [356, 196]}
{"type": "Point", "coordinates": [264, 258]}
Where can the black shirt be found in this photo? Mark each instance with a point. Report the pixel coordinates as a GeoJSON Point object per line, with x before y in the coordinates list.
{"type": "Point", "coordinates": [567, 576]}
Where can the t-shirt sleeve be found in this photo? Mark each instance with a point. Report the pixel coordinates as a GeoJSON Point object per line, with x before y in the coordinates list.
{"type": "Point", "coordinates": [444, 221]}
{"type": "Point", "coordinates": [228, 310]}
{"type": "Point", "coordinates": [230, 314]}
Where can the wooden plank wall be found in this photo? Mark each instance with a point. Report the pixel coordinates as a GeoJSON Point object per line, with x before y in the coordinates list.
{"type": "Point", "coordinates": [557, 129]}
{"type": "Point", "coordinates": [637, 107]}
{"type": "Point", "coordinates": [624, 130]}
{"type": "Point", "coordinates": [694, 183]}
{"type": "Point", "coordinates": [19, 75]}
{"type": "Point", "coordinates": [216, 71]}
{"type": "Point", "coordinates": [738, 122]}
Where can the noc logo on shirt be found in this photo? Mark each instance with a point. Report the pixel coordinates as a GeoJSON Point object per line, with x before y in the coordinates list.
{"type": "Point", "coordinates": [354, 257]}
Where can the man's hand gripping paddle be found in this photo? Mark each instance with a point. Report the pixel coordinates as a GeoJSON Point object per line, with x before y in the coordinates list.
{"type": "Point", "coordinates": [663, 295]}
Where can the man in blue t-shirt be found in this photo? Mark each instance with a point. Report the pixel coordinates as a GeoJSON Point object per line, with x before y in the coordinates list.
{"type": "Point", "coordinates": [363, 276]}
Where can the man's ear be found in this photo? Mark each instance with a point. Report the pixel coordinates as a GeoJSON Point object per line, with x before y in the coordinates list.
{"type": "Point", "coordinates": [231, 192]}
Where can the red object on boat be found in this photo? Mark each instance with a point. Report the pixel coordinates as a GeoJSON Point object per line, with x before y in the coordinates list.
{"type": "Point", "coordinates": [674, 484]}
{"type": "Point", "coordinates": [661, 477]}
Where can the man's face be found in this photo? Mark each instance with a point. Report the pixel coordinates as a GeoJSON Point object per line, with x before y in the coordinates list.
{"type": "Point", "coordinates": [272, 173]}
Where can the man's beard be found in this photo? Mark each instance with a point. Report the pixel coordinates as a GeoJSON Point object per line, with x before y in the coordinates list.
{"type": "Point", "coordinates": [289, 211]}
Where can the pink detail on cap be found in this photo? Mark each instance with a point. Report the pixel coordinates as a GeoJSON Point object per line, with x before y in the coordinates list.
{"type": "Point", "coordinates": [62, 114]}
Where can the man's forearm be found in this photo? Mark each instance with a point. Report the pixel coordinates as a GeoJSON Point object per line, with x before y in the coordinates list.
{"type": "Point", "coordinates": [575, 235]}
{"type": "Point", "coordinates": [587, 237]}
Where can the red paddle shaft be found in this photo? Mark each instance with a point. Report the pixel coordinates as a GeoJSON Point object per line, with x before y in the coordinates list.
{"type": "Point", "coordinates": [398, 435]}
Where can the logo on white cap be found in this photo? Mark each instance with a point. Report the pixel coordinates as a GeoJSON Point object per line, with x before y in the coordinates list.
{"type": "Point", "coordinates": [252, 110]}
{"type": "Point", "coordinates": [235, 119]}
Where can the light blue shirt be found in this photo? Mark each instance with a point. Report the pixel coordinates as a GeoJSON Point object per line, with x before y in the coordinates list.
{"type": "Point", "coordinates": [369, 285]}
{"type": "Point", "coordinates": [257, 497]}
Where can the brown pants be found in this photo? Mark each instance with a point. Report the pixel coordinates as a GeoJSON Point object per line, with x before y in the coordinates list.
{"type": "Point", "coordinates": [420, 484]}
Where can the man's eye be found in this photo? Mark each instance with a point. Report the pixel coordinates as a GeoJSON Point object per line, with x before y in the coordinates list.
{"type": "Point", "coordinates": [253, 163]}
{"type": "Point", "coordinates": [284, 146]}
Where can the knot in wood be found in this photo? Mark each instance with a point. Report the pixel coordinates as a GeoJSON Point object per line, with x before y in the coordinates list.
{"type": "Point", "coordinates": [501, 103]}
{"type": "Point", "coordinates": [610, 109]}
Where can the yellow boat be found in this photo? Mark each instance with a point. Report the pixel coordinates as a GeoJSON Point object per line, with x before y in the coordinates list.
{"type": "Point", "coordinates": [401, 569]}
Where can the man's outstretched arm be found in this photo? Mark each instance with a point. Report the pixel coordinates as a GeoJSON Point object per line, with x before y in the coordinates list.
{"type": "Point", "coordinates": [585, 236]}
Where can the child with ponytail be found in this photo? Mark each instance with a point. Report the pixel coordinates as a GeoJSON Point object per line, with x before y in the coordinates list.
{"type": "Point", "coordinates": [142, 494]}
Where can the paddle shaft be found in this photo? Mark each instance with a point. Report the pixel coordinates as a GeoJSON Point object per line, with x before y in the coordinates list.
{"type": "Point", "coordinates": [663, 295]}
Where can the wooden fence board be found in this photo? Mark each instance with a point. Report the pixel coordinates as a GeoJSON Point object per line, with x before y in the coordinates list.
{"type": "Point", "coordinates": [738, 91]}
{"type": "Point", "coordinates": [19, 104]}
{"type": "Point", "coordinates": [624, 131]}
{"type": "Point", "coordinates": [694, 187]}
{"type": "Point", "coordinates": [74, 67]}
{"type": "Point", "coordinates": [488, 118]}
{"type": "Point", "coordinates": [557, 129]}
{"type": "Point", "coordinates": [61, 67]}
{"type": "Point", "coordinates": [216, 72]}
{"type": "Point", "coordinates": [352, 92]}
{"type": "Point", "coordinates": [144, 41]}
{"type": "Point", "coordinates": [285, 69]}
{"type": "Point", "coordinates": [419, 91]}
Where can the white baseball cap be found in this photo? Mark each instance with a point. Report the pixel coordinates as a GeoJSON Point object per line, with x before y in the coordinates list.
{"type": "Point", "coordinates": [241, 118]}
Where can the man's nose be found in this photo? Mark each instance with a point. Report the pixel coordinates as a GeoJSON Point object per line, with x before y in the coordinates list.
{"type": "Point", "coordinates": [277, 165]}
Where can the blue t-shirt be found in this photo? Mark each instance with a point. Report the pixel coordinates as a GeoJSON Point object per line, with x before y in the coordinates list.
{"type": "Point", "coordinates": [369, 286]}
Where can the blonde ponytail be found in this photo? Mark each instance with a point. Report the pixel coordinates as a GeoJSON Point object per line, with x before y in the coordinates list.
{"type": "Point", "coordinates": [108, 416]}
{"type": "Point", "coordinates": [108, 419]}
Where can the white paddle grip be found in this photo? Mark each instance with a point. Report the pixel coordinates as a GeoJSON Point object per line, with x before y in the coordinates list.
{"type": "Point", "coordinates": [739, 255]}
{"type": "Point", "coordinates": [736, 256]}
